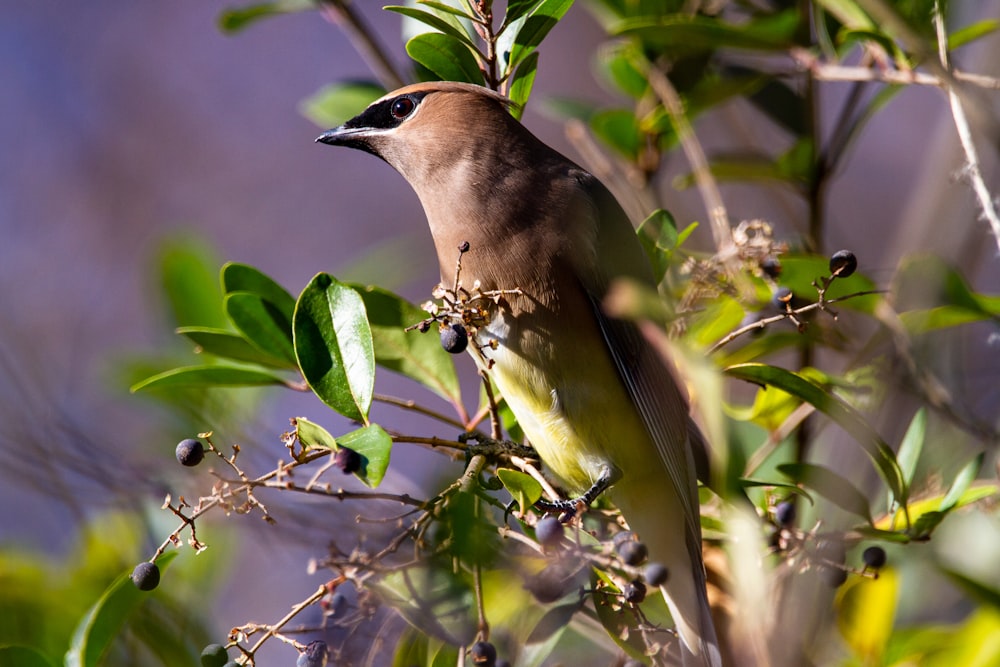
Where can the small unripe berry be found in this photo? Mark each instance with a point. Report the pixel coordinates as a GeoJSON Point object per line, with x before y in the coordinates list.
{"type": "Point", "coordinates": [454, 338]}
{"type": "Point", "coordinates": [874, 557]}
{"type": "Point", "coordinates": [315, 655]}
{"type": "Point", "coordinates": [656, 574]}
{"type": "Point", "coordinates": [146, 576]}
{"type": "Point", "coordinates": [634, 592]}
{"type": "Point", "coordinates": [214, 655]}
{"type": "Point", "coordinates": [843, 263]}
{"type": "Point", "coordinates": [784, 513]}
{"type": "Point", "coordinates": [190, 452]}
{"type": "Point", "coordinates": [483, 654]}
{"type": "Point", "coordinates": [549, 531]}
{"type": "Point", "coordinates": [348, 460]}
{"type": "Point", "coordinates": [632, 552]}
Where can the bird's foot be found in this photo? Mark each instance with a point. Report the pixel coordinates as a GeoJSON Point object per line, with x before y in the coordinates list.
{"type": "Point", "coordinates": [567, 509]}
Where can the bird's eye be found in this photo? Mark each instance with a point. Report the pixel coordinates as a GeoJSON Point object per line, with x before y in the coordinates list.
{"type": "Point", "coordinates": [401, 108]}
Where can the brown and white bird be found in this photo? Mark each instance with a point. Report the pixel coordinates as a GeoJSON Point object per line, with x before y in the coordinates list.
{"type": "Point", "coordinates": [592, 396]}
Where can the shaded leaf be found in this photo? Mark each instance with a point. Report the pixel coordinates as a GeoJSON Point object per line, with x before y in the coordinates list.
{"type": "Point", "coordinates": [102, 623]}
{"type": "Point", "coordinates": [333, 344]}
{"type": "Point", "coordinates": [619, 129]}
{"type": "Point", "coordinates": [659, 238]}
{"type": "Point", "coordinates": [523, 487]}
{"type": "Point", "coordinates": [22, 656]}
{"type": "Point", "coordinates": [445, 56]}
{"type": "Point", "coordinates": [208, 376]}
{"type": "Point", "coordinates": [238, 277]}
{"type": "Point", "coordinates": [682, 34]}
{"type": "Point", "coordinates": [830, 485]}
{"type": "Point", "coordinates": [912, 445]}
{"type": "Point", "coordinates": [521, 84]}
{"type": "Point", "coordinates": [187, 269]}
{"type": "Point", "coordinates": [375, 447]}
{"type": "Point", "coordinates": [533, 29]}
{"type": "Point", "coordinates": [443, 26]}
{"type": "Point", "coordinates": [418, 356]}
{"type": "Point", "coordinates": [515, 10]}
{"type": "Point", "coordinates": [223, 343]}
{"type": "Point", "coordinates": [843, 414]}
{"type": "Point", "coordinates": [334, 104]}
{"type": "Point", "coordinates": [262, 323]}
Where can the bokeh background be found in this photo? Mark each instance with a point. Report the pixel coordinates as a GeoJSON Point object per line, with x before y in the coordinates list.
{"type": "Point", "coordinates": [124, 126]}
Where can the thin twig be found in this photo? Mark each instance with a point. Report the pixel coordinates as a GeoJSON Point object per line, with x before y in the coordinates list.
{"type": "Point", "coordinates": [416, 407]}
{"type": "Point", "coordinates": [972, 167]}
{"type": "Point", "coordinates": [343, 15]}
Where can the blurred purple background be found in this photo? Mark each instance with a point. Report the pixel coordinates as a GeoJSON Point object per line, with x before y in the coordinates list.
{"type": "Point", "coordinates": [122, 124]}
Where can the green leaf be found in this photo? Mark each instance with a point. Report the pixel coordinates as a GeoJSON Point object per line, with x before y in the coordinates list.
{"type": "Point", "coordinates": [234, 20]}
{"type": "Point", "coordinates": [208, 376]}
{"type": "Point", "coordinates": [263, 324]}
{"type": "Point", "coordinates": [442, 25]}
{"type": "Point", "coordinates": [536, 25]}
{"type": "Point", "coordinates": [335, 104]}
{"type": "Point", "coordinates": [659, 238]}
{"type": "Point", "coordinates": [187, 269]}
{"type": "Point", "coordinates": [521, 84]}
{"type": "Point", "coordinates": [515, 10]}
{"type": "Point", "coordinates": [617, 60]}
{"type": "Point", "coordinates": [445, 56]}
{"type": "Point", "coordinates": [523, 487]}
{"type": "Point", "coordinates": [971, 33]}
{"type": "Point", "coordinates": [446, 8]}
{"type": "Point", "coordinates": [681, 34]}
{"type": "Point", "coordinates": [333, 344]}
{"type": "Point", "coordinates": [619, 129]}
{"type": "Point", "coordinates": [238, 277]}
{"type": "Point", "coordinates": [22, 656]}
{"type": "Point", "coordinates": [102, 623]}
{"type": "Point", "coordinates": [313, 436]}
{"type": "Point", "coordinates": [375, 446]}
{"type": "Point", "coordinates": [912, 445]}
{"type": "Point", "coordinates": [843, 414]}
{"type": "Point", "coordinates": [830, 485]}
{"type": "Point", "coordinates": [223, 343]}
{"type": "Point", "coordinates": [963, 479]}
{"type": "Point", "coordinates": [416, 355]}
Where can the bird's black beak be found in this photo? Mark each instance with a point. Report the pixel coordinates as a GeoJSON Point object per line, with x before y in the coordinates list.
{"type": "Point", "coordinates": [335, 137]}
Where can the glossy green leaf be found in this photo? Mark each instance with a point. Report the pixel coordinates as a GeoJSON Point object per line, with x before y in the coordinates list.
{"type": "Point", "coordinates": [375, 447]}
{"type": "Point", "coordinates": [533, 28]}
{"type": "Point", "coordinates": [336, 103]}
{"type": "Point", "coordinates": [208, 376]}
{"type": "Point", "coordinates": [22, 656]}
{"type": "Point", "coordinates": [442, 25]}
{"type": "Point", "coordinates": [416, 355]}
{"type": "Point", "coordinates": [830, 485]}
{"type": "Point", "coordinates": [238, 277]}
{"type": "Point", "coordinates": [682, 34]}
{"type": "Point", "coordinates": [447, 9]}
{"type": "Point", "coordinates": [521, 84]}
{"type": "Point", "coordinates": [225, 344]}
{"type": "Point", "coordinates": [523, 487]}
{"type": "Point", "coordinates": [265, 326]}
{"type": "Point", "coordinates": [925, 512]}
{"type": "Point", "coordinates": [236, 19]}
{"type": "Point", "coordinates": [333, 344]}
{"type": "Point", "coordinates": [103, 621]}
{"type": "Point", "coordinates": [516, 9]}
{"type": "Point", "coordinates": [445, 56]}
{"type": "Point", "coordinates": [843, 414]}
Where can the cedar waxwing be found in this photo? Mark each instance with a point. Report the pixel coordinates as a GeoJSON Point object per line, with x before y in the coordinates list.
{"type": "Point", "coordinates": [592, 396]}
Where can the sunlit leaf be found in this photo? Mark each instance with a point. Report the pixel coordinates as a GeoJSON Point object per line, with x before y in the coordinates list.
{"type": "Point", "coordinates": [236, 277]}
{"type": "Point", "coordinates": [452, 27]}
{"type": "Point", "coordinates": [187, 269]}
{"type": "Point", "coordinates": [313, 436]}
{"type": "Point", "coordinates": [333, 344]}
{"type": "Point", "coordinates": [523, 487]}
{"type": "Point", "coordinates": [375, 447]}
{"type": "Point", "coordinates": [971, 33]}
{"type": "Point", "coordinates": [963, 480]}
{"type": "Point", "coordinates": [866, 611]}
{"type": "Point", "coordinates": [521, 84]}
{"type": "Point", "coordinates": [208, 376]}
{"type": "Point", "coordinates": [536, 25]}
{"type": "Point", "coordinates": [336, 103]}
{"type": "Point", "coordinates": [223, 343]}
{"type": "Point", "coordinates": [445, 56]}
{"type": "Point", "coordinates": [912, 445]}
{"type": "Point", "coordinates": [619, 130]}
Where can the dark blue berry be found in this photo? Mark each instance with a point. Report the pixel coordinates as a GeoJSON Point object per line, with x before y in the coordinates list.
{"type": "Point", "coordinates": [190, 452]}
{"type": "Point", "coordinates": [146, 576]}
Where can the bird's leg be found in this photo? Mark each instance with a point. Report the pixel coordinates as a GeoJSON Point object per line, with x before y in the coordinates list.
{"type": "Point", "coordinates": [567, 509]}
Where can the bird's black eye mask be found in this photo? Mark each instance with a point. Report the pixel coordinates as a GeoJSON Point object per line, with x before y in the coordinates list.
{"type": "Point", "coordinates": [388, 113]}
